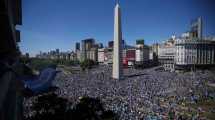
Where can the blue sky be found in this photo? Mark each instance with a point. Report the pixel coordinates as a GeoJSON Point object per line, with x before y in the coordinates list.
{"type": "Point", "coordinates": [51, 24]}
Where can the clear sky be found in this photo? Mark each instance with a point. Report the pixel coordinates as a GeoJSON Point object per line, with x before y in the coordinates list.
{"type": "Point", "coordinates": [51, 24]}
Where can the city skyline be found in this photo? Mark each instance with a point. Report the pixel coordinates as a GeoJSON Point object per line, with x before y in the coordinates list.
{"type": "Point", "coordinates": [130, 79]}
{"type": "Point", "coordinates": [49, 24]}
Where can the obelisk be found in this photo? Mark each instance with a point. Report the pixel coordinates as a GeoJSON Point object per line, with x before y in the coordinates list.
{"type": "Point", "coordinates": [117, 72]}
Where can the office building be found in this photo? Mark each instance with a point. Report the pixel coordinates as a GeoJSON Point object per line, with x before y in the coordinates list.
{"type": "Point", "coordinates": [193, 50]}
{"type": "Point", "coordinates": [86, 46]}
{"type": "Point", "coordinates": [77, 46]}
{"type": "Point", "coordinates": [92, 54]}
{"type": "Point", "coordinates": [153, 53]}
{"type": "Point", "coordinates": [141, 52]}
{"type": "Point", "coordinates": [129, 57]}
{"type": "Point", "coordinates": [166, 54]}
{"type": "Point", "coordinates": [196, 28]}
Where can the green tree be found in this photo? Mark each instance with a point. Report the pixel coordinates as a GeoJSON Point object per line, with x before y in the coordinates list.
{"type": "Point", "coordinates": [87, 64]}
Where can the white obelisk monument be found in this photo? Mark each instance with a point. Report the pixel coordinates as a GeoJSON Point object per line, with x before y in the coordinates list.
{"type": "Point", "coordinates": [117, 72]}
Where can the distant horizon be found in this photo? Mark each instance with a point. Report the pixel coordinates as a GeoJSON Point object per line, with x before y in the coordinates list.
{"type": "Point", "coordinates": [50, 24]}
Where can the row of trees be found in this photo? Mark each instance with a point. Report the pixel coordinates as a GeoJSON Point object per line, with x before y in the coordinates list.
{"type": "Point", "coordinates": [52, 107]}
{"type": "Point", "coordinates": [87, 64]}
{"type": "Point", "coordinates": [39, 64]}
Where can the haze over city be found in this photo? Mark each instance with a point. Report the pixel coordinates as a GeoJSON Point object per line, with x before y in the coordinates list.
{"type": "Point", "coordinates": [51, 24]}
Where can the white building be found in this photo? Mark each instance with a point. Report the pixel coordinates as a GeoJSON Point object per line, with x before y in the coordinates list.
{"type": "Point", "coordinates": [142, 54]}
{"type": "Point", "coordinates": [108, 56]}
{"type": "Point", "coordinates": [195, 51]}
{"type": "Point", "coordinates": [78, 55]}
{"type": "Point", "coordinates": [101, 55]}
{"type": "Point", "coordinates": [105, 55]}
{"type": "Point", "coordinates": [192, 50]}
{"type": "Point", "coordinates": [166, 54]}
{"type": "Point", "coordinates": [92, 54]}
{"type": "Point", "coordinates": [153, 53]}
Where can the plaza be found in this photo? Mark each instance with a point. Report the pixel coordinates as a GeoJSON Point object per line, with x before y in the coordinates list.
{"type": "Point", "coordinates": [140, 94]}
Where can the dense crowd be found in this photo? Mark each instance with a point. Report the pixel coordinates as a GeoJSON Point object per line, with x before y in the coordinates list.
{"type": "Point", "coordinates": [140, 93]}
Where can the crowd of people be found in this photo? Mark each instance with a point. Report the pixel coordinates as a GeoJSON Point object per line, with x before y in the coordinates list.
{"type": "Point", "coordinates": [137, 95]}
{"type": "Point", "coordinates": [142, 94]}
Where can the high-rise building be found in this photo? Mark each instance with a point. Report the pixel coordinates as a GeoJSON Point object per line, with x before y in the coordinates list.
{"type": "Point", "coordinates": [166, 54]}
{"type": "Point", "coordinates": [141, 54]}
{"type": "Point", "coordinates": [110, 44]}
{"type": "Point", "coordinates": [117, 54]}
{"type": "Point", "coordinates": [100, 45]}
{"type": "Point", "coordinates": [86, 46]}
{"type": "Point", "coordinates": [153, 55]}
{"type": "Point", "coordinates": [57, 51]}
{"type": "Point", "coordinates": [140, 42]}
{"type": "Point", "coordinates": [196, 28]}
{"type": "Point", "coordinates": [92, 54]}
{"type": "Point", "coordinates": [101, 55]}
{"type": "Point", "coordinates": [194, 50]}
{"type": "Point", "coordinates": [129, 56]}
{"type": "Point", "coordinates": [77, 46]}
